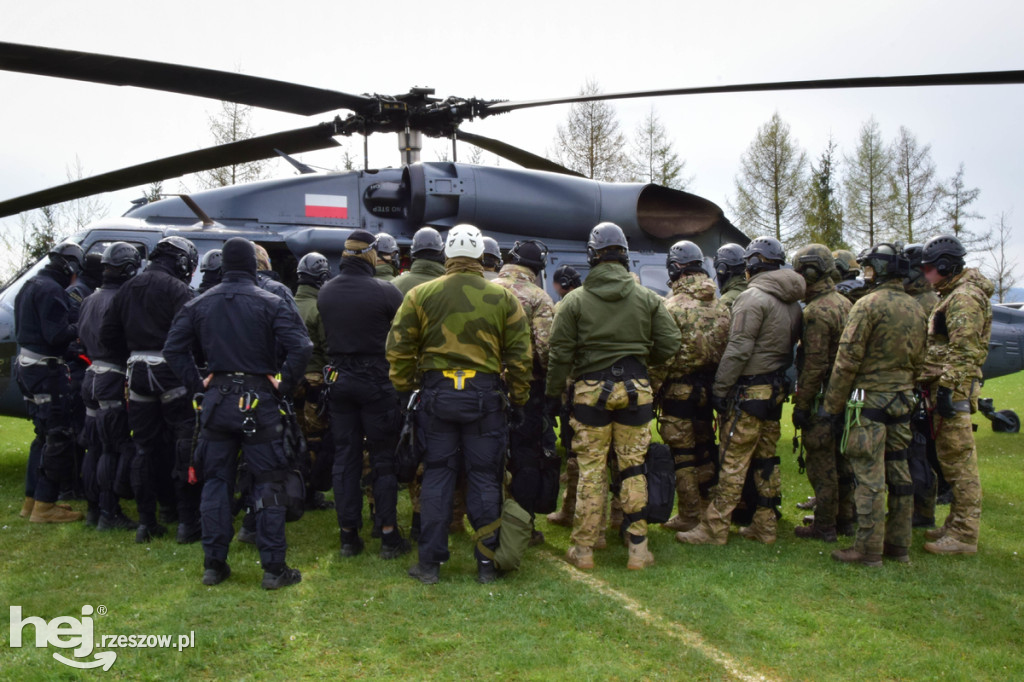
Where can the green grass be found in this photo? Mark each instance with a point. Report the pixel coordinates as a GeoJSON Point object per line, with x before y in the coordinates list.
{"type": "Point", "coordinates": [785, 612]}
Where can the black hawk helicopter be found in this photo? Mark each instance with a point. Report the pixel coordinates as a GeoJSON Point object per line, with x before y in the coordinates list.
{"type": "Point", "coordinates": [315, 211]}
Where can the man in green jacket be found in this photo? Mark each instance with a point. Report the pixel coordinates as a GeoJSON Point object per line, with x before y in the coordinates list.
{"type": "Point", "coordinates": [604, 336]}
{"type": "Point", "coordinates": [731, 273]}
{"type": "Point", "coordinates": [427, 260]}
{"type": "Point", "coordinates": [388, 254]}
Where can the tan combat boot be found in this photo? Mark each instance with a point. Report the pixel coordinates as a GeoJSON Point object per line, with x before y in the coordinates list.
{"type": "Point", "coordinates": [48, 512]}
{"type": "Point", "coordinates": [935, 533]}
{"type": "Point", "coordinates": [851, 555]}
{"type": "Point", "coordinates": [602, 542]}
{"type": "Point", "coordinates": [678, 523]}
{"type": "Point", "coordinates": [26, 507]}
{"type": "Point", "coordinates": [948, 544]}
{"type": "Point", "coordinates": [758, 534]}
{"type": "Point", "coordinates": [562, 517]}
{"type": "Point", "coordinates": [701, 535]}
{"type": "Point", "coordinates": [639, 556]}
{"type": "Point", "coordinates": [580, 557]}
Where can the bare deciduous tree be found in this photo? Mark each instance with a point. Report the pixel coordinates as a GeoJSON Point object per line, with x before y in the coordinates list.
{"type": "Point", "coordinates": [1002, 269]}
{"type": "Point", "coordinates": [956, 199]}
{"type": "Point", "coordinates": [231, 124]}
{"type": "Point", "coordinates": [915, 193]}
{"type": "Point", "coordinates": [866, 186]}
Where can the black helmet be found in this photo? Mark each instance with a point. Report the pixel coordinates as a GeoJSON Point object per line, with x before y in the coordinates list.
{"type": "Point", "coordinates": [529, 253]}
{"type": "Point", "coordinates": [67, 257]}
{"type": "Point", "coordinates": [912, 255]}
{"type": "Point", "coordinates": [385, 245]}
{"type": "Point", "coordinates": [684, 257]}
{"type": "Point", "coordinates": [607, 236]}
{"type": "Point", "coordinates": [213, 260]}
{"type": "Point", "coordinates": [123, 258]}
{"type": "Point", "coordinates": [814, 262]}
{"type": "Point", "coordinates": [314, 267]}
{"type": "Point", "coordinates": [492, 253]}
{"type": "Point", "coordinates": [763, 253]}
{"type": "Point", "coordinates": [93, 264]}
{"type": "Point", "coordinates": [729, 262]}
{"type": "Point", "coordinates": [183, 252]}
{"type": "Point", "coordinates": [884, 259]}
{"type": "Point", "coordinates": [945, 253]}
{"type": "Point", "coordinates": [567, 277]}
{"type": "Point", "coordinates": [426, 239]}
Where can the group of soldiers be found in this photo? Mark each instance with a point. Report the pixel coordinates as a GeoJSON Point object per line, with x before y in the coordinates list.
{"type": "Point", "coordinates": [140, 387]}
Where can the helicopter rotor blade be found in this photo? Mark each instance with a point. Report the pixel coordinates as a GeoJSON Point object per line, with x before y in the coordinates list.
{"type": "Point", "coordinates": [187, 80]}
{"type": "Point", "coordinates": [253, 149]}
{"type": "Point", "coordinates": [976, 78]}
{"type": "Point", "coordinates": [515, 154]}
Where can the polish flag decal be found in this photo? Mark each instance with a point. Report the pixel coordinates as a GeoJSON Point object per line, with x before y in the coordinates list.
{"type": "Point", "coordinates": [326, 206]}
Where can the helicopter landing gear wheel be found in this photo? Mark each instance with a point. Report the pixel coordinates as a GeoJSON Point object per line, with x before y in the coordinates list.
{"type": "Point", "coordinates": [1008, 422]}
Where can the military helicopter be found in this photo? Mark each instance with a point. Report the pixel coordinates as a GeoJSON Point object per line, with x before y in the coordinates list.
{"type": "Point", "coordinates": [314, 211]}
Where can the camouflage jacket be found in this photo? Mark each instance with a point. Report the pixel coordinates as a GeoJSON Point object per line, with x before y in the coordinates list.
{"type": "Point", "coordinates": [732, 289]}
{"type": "Point", "coordinates": [305, 299]}
{"type": "Point", "coordinates": [959, 330]}
{"type": "Point", "coordinates": [421, 271]}
{"type": "Point", "coordinates": [537, 305]}
{"type": "Point", "coordinates": [461, 321]}
{"type": "Point", "coordinates": [608, 318]}
{"type": "Point", "coordinates": [881, 348]}
{"type": "Point", "coordinates": [704, 323]}
{"type": "Point", "coordinates": [824, 318]}
{"type": "Point", "coordinates": [385, 271]}
{"type": "Point", "coordinates": [764, 328]}
{"type": "Point", "coordinates": [923, 293]}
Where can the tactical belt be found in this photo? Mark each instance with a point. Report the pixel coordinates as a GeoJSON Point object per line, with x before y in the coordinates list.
{"type": "Point", "coordinates": [110, 404]}
{"type": "Point", "coordinates": [165, 397]}
{"type": "Point", "coordinates": [460, 379]}
{"type": "Point", "coordinates": [27, 358]}
{"type": "Point", "coordinates": [878, 414]}
{"type": "Point", "coordinates": [765, 409]}
{"type": "Point", "coordinates": [620, 370]}
{"type": "Point", "coordinates": [91, 412]}
{"type": "Point", "coordinates": [696, 453]}
{"type": "Point", "coordinates": [102, 367]}
{"type": "Point", "coordinates": [39, 399]}
{"type": "Point", "coordinates": [236, 382]}
{"type": "Point", "coordinates": [624, 370]}
{"type": "Point", "coordinates": [150, 357]}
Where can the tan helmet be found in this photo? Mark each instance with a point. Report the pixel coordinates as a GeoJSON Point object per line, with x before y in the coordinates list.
{"type": "Point", "coordinates": [846, 264]}
{"type": "Point", "coordinates": [814, 262]}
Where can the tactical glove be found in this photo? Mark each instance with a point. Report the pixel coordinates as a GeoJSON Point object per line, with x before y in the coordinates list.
{"type": "Point", "coordinates": [720, 404]}
{"type": "Point", "coordinates": [553, 406]}
{"type": "Point", "coordinates": [801, 418]}
{"type": "Point", "coordinates": [944, 403]}
{"type": "Point", "coordinates": [516, 416]}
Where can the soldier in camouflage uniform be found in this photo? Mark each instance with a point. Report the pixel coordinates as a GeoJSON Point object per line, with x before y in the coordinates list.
{"type": "Point", "coordinates": [453, 338]}
{"type": "Point", "coordinates": [388, 254]}
{"type": "Point", "coordinates": [850, 284]}
{"type": "Point", "coordinates": [731, 272]}
{"type": "Point", "coordinates": [313, 270]}
{"type": "Point", "coordinates": [427, 252]}
{"type": "Point", "coordinates": [958, 336]}
{"type": "Point", "coordinates": [879, 354]}
{"type": "Point", "coordinates": [749, 390]}
{"type": "Point", "coordinates": [824, 318]}
{"type": "Point", "coordinates": [683, 385]}
{"type": "Point", "coordinates": [604, 335]}
{"type": "Point", "coordinates": [924, 466]}
{"type": "Point", "coordinates": [527, 442]}
{"type": "Point", "coordinates": [491, 259]}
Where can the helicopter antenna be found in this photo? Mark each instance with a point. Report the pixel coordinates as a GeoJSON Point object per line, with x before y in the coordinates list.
{"type": "Point", "coordinates": [299, 166]}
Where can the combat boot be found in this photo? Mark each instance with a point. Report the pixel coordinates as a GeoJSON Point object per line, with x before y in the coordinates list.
{"type": "Point", "coordinates": [852, 555]}
{"type": "Point", "coordinates": [92, 515]}
{"type": "Point", "coordinates": [117, 521]}
{"type": "Point", "coordinates": [216, 572]}
{"type": "Point", "coordinates": [393, 545]}
{"type": "Point", "coordinates": [536, 538]}
{"type": "Point", "coordinates": [678, 523]}
{"type": "Point", "coordinates": [48, 512]}
{"type": "Point", "coordinates": [935, 533]}
{"type": "Point", "coordinates": [639, 556]}
{"type": "Point", "coordinates": [580, 557]}
{"type": "Point", "coordinates": [486, 572]}
{"type": "Point", "coordinates": [273, 580]}
{"type": "Point", "coordinates": [246, 535]}
{"type": "Point", "coordinates": [562, 517]}
{"type": "Point", "coordinates": [26, 507]}
{"type": "Point", "coordinates": [814, 532]}
{"type": "Point", "coordinates": [898, 554]}
{"type": "Point", "coordinates": [758, 534]}
{"type": "Point", "coordinates": [947, 544]}
{"type": "Point", "coordinates": [189, 533]}
{"type": "Point", "coordinates": [601, 542]}
{"type": "Point", "coordinates": [810, 503]}
{"type": "Point", "coordinates": [146, 533]}
{"type": "Point", "coordinates": [351, 543]}
{"type": "Point", "coordinates": [700, 535]}
{"type": "Point", "coordinates": [428, 574]}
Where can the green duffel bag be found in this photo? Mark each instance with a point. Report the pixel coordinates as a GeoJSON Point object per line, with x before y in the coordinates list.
{"type": "Point", "coordinates": [514, 530]}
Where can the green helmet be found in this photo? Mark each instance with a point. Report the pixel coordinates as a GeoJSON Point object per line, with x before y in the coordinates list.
{"type": "Point", "coordinates": [886, 260]}
{"type": "Point", "coordinates": [814, 262]}
{"type": "Point", "coordinates": [846, 264]}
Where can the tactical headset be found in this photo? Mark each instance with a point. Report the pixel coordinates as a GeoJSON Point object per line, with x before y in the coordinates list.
{"type": "Point", "coordinates": [567, 277]}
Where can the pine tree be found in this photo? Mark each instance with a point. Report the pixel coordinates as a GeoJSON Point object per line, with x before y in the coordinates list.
{"type": "Point", "coordinates": [590, 142]}
{"type": "Point", "coordinates": [866, 186]}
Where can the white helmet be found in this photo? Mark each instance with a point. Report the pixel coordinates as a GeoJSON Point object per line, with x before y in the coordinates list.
{"type": "Point", "coordinates": [464, 240]}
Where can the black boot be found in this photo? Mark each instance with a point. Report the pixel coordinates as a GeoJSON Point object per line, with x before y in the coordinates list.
{"type": "Point", "coordinates": [428, 574]}
{"type": "Point", "coordinates": [146, 533]}
{"type": "Point", "coordinates": [351, 543]}
{"type": "Point", "coordinates": [216, 572]}
{"type": "Point", "coordinates": [189, 533]}
{"type": "Point", "coordinates": [393, 545]}
{"type": "Point", "coordinates": [280, 575]}
{"type": "Point", "coordinates": [486, 572]}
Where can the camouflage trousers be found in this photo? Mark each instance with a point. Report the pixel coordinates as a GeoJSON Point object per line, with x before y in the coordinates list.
{"type": "Point", "coordinates": [313, 419]}
{"type": "Point", "coordinates": [958, 457]}
{"type": "Point", "coordinates": [747, 442]}
{"type": "Point", "coordinates": [600, 429]}
{"type": "Point", "coordinates": [687, 428]}
{"type": "Point", "coordinates": [878, 454]}
{"type": "Point", "coordinates": [829, 473]}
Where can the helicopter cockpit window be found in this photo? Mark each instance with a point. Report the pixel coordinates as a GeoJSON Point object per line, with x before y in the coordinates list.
{"type": "Point", "coordinates": [101, 246]}
{"type": "Point", "coordinates": [654, 277]}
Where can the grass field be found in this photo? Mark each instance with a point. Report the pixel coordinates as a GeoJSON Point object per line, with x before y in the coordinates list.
{"type": "Point", "coordinates": [743, 611]}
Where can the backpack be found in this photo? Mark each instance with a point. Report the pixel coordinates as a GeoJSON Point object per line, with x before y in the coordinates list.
{"type": "Point", "coordinates": [514, 528]}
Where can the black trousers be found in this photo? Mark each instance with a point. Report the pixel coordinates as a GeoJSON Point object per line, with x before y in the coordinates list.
{"type": "Point", "coordinates": [526, 449]}
{"type": "Point", "coordinates": [51, 458]}
{"type": "Point", "coordinates": [460, 428]}
{"type": "Point", "coordinates": [363, 404]}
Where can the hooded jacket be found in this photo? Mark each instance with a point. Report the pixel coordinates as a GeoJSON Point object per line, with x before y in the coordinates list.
{"type": "Point", "coordinates": [766, 323]}
{"type": "Point", "coordinates": [959, 330]}
{"type": "Point", "coordinates": [608, 318]}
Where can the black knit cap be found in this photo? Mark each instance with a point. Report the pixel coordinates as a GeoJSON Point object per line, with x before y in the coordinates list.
{"type": "Point", "coordinates": [530, 254]}
{"type": "Point", "coordinates": [239, 256]}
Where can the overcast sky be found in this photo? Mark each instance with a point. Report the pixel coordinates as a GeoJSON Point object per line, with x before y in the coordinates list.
{"type": "Point", "coordinates": [529, 50]}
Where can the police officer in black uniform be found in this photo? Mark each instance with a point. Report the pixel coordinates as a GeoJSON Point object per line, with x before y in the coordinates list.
{"type": "Point", "coordinates": [238, 327]}
{"type": "Point", "coordinates": [44, 332]}
{"type": "Point", "coordinates": [160, 408]}
{"type": "Point", "coordinates": [107, 432]}
{"type": "Point", "coordinates": [210, 266]}
{"type": "Point", "coordinates": [357, 310]}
